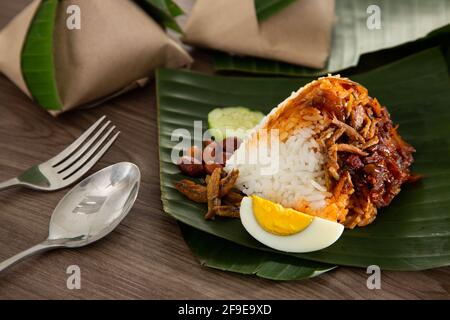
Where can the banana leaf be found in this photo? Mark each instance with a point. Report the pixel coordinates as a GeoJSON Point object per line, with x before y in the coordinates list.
{"type": "Point", "coordinates": [37, 57]}
{"type": "Point", "coordinates": [267, 8]}
{"type": "Point", "coordinates": [224, 62]}
{"type": "Point", "coordinates": [224, 255]}
{"type": "Point", "coordinates": [174, 8]}
{"type": "Point", "coordinates": [402, 21]}
{"type": "Point", "coordinates": [413, 233]}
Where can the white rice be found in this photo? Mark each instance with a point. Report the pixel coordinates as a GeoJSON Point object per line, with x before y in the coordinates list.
{"type": "Point", "coordinates": [300, 175]}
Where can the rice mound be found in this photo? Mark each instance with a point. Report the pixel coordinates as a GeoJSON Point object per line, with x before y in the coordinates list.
{"type": "Point", "coordinates": [299, 177]}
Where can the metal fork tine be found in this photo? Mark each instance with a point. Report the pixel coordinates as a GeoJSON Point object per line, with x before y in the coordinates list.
{"type": "Point", "coordinates": [65, 164]}
{"type": "Point", "coordinates": [88, 165]}
{"type": "Point", "coordinates": [70, 149]}
{"type": "Point", "coordinates": [80, 162]}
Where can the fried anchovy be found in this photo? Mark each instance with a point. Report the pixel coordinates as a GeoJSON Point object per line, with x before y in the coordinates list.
{"type": "Point", "coordinates": [227, 211]}
{"type": "Point", "coordinates": [350, 148]}
{"type": "Point", "coordinates": [193, 191]}
{"type": "Point", "coordinates": [213, 193]}
{"type": "Point", "coordinates": [336, 135]}
{"type": "Point", "coordinates": [233, 198]}
{"type": "Point", "coordinates": [370, 143]}
{"type": "Point", "coordinates": [350, 131]}
{"type": "Point", "coordinates": [197, 192]}
{"type": "Point", "coordinates": [227, 183]}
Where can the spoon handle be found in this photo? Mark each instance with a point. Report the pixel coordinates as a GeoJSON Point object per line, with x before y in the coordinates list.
{"type": "Point", "coordinates": [42, 247]}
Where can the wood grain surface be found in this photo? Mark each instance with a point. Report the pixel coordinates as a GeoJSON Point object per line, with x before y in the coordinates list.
{"type": "Point", "coordinates": [145, 258]}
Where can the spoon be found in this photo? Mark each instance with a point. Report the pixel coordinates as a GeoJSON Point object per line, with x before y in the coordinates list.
{"type": "Point", "coordinates": [90, 211]}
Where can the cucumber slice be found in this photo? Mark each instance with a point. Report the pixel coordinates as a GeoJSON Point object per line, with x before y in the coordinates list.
{"type": "Point", "coordinates": [232, 122]}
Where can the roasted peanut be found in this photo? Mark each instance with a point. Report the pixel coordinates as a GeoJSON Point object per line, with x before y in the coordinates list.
{"type": "Point", "coordinates": [210, 167]}
{"type": "Point", "coordinates": [213, 154]}
{"type": "Point", "coordinates": [230, 144]}
{"type": "Point", "coordinates": [191, 166]}
{"type": "Point", "coordinates": [194, 152]}
{"type": "Point", "coordinates": [207, 142]}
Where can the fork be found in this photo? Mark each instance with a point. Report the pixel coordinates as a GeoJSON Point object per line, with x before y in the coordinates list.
{"type": "Point", "coordinates": [71, 164]}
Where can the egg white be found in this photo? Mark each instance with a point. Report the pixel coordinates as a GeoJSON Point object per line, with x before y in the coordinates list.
{"type": "Point", "coordinates": [321, 233]}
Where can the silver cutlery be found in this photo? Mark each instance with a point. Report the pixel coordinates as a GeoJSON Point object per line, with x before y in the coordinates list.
{"type": "Point", "coordinates": [90, 211]}
{"type": "Point", "coordinates": [71, 164]}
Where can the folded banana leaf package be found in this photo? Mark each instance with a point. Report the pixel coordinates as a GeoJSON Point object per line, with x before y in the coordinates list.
{"type": "Point", "coordinates": [62, 64]}
{"type": "Point", "coordinates": [300, 33]}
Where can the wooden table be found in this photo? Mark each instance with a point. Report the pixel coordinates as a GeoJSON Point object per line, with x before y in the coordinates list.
{"type": "Point", "coordinates": [146, 257]}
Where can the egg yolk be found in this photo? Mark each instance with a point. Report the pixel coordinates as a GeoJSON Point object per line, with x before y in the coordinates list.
{"type": "Point", "coordinates": [276, 219]}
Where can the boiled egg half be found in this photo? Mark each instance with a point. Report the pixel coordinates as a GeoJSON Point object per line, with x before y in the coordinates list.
{"type": "Point", "coordinates": [286, 229]}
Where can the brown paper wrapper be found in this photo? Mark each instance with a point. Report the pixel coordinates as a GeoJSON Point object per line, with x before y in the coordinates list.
{"type": "Point", "coordinates": [116, 49]}
{"type": "Point", "coordinates": [299, 34]}
{"type": "Point", "coordinates": [12, 38]}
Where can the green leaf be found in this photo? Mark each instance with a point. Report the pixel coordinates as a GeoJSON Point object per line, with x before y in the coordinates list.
{"type": "Point", "coordinates": [402, 21]}
{"type": "Point", "coordinates": [266, 8]}
{"type": "Point", "coordinates": [37, 57]}
{"type": "Point", "coordinates": [412, 233]}
{"type": "Point", "coordinates": [163, 11]}
{"type": "Point", "coordinates": [224, 255]}
{"type": "Point", "coordinates": [174, 8]}
{"type": "Point", "coordinates": [225, 62]}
